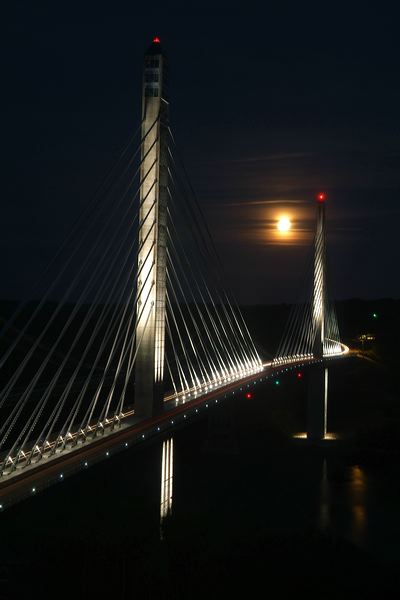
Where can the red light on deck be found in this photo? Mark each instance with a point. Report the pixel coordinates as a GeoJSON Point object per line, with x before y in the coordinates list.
{"type": "Point", "coordinates": [321, 197]}
{"type": "Point", "coordinates": [299, 375]}
{"type": "Point", "coordinates": [156, 40]}
{"type": "Point", "coordinates": [249, 395]}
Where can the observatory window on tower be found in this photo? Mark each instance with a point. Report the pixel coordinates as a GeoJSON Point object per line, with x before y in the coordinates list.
{"type": "Point", "coordinates": [152, 62]}
{"type": "Point", "coordinates": [151, 92]}
{"type": "Point", "coordinates": [165, 81]}
{"type": "Point", "coordinates": [151, 77]}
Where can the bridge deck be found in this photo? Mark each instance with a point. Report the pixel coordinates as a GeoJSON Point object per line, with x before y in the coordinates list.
{"type": "Point", "coordinates": [38, 475]}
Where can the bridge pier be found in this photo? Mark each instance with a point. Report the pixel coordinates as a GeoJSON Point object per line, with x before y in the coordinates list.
{"type": "Point", "coordinates": [317, 403]}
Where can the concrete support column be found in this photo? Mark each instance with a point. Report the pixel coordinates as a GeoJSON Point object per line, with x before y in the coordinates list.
{"type": "Point", "coordinates": [150, 331]}
{"type": "Point", "coordinates": [319, 286]}
{"type": "Point", "coordinates": [318, 379]}
{"type": "Point", "coordinates": [317, 402]}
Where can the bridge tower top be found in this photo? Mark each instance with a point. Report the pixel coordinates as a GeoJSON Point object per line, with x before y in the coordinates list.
{"type": "Point", "coordinates": [155, 76]}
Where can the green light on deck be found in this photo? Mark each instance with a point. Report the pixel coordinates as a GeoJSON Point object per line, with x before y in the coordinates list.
{"type": "Point", "coordinates": [374, 315]}
{"type": "Point", "coordinates": [277, 382]}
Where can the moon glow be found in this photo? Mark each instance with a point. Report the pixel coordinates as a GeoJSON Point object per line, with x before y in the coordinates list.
{"type": "Point", "coordinates": [284, 224]}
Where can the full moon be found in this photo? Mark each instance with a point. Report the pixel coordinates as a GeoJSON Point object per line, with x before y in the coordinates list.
{"type": "Point", "coordinates": [284, 224]}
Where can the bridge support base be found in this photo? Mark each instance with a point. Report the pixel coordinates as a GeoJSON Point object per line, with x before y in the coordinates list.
{"type": "Point", "coordinates": [317, 403]}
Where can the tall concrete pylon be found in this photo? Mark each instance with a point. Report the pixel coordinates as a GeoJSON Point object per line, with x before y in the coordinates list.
{"type": "Point", "coordinates": [317, 404]}
{"type": "Point", "coordinates": [150, 329]}
{"type": "Point", "coordinates": [319, 281]}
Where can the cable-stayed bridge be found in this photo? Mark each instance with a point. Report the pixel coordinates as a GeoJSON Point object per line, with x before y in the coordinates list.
{"type": "Point", "coordinates": [136, 332]}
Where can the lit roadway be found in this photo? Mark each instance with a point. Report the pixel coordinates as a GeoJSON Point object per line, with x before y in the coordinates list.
{"type": "Point", "coordinates": [28, 480]}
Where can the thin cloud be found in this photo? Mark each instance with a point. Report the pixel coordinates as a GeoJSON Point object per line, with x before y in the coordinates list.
{"type": "Point", "coordinates": [270, 157]}
{"type": "Point", "coordinates": [261, 203]}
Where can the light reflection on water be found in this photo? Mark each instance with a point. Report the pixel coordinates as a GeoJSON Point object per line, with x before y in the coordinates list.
{"type": "Point", "coordinates": [296, 492]}
{"type": "Point", "coordinates": [341, 497]}
{"type": "Point", "coordinates": [342, 503]}
{"type": "Point", "coordinates": [358, 491]}
{"type": "Point", "coordinates": [167, 479]}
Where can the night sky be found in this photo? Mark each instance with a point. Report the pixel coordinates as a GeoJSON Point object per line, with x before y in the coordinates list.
{"type": "Point", "coordinates": [267, 107]}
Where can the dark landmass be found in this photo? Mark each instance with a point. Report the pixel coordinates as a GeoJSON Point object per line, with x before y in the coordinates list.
{"type": "Point", "coordinates": [355, 317]}
{"type": "Point", "coordinates": [266, 323]}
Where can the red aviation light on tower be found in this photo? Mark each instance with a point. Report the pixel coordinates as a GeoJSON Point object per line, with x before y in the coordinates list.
{"type": "Point", "coordinates": [321, 197]}
{"type": "Point", "coordinates": [156, 40]}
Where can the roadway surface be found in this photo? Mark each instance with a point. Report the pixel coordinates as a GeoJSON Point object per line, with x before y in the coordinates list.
{"type": "Point", "coordinates": [29, 480]}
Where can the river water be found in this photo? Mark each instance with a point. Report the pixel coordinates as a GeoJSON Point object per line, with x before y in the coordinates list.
{"type": "Point", "coordinates": [219, 484]}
